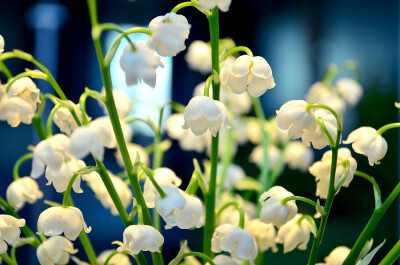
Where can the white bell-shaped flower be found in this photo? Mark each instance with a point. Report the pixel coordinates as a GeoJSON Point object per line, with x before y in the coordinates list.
{"type": "Point", "coordinates": [141, 238]}
{"type": "Point", "coordinates": [321, 170]}
{"type": "Point", "coordinates": [350, 90]}
{"type": "Point", "coordinates": [203, 113]}
{"type": "Point", "coordinates": [238, 242]}
{"type": "Point", "coordinates": [21, 191]}
{"type": "Point", "coordinates": [320, 93]}
{"type": "Point", "coordinates": [273, 211]}
{"type": "Point", "coordinates": [224, 260]}
{"type": "Point", "coordinates": [298, 156]}
{"type": "Point", "coordinates": [164, 177]}
{"type": "Point", "coordinates": [198, 56]}
{"type": "Point", "coordinates": [140, 64]}
{"type": "Point", "coordinates": [118, 259]}
{"type": "Point", "coordinates": [337, 256]}
{"type": "Point", "coordinates": [294, 116]}
{"type": "Point", "coordinates": [57, 220]}
{"type": "Point", "coordinates": [64, 119]}
{"type": "Point", "coordinates": [122, 102]}
{"type": "Point", "coordinates": [257, 156]}
{"type": "Point", "coordinates": [191, 216]}
{"type": "Point", "coordinates": [169, 33]}
{"type": "Point", "coordinates": [55, 250]}
{"type": "Point", "coordinates": [9, 231]}
{"type": "Point", "coordinates": [264, 234]}
{"type": "Point", "coordinates": [1, 44]}
{"type": "Point", "coordinates": [133, 149]}
{"type": "Point", "coordinates": [174, 200]}
{"type": "Point", "coordinates": [61, 177]}
{"type": "Point", "coordinates": [234, 174]}
{"type": "Point", "coordinates": [295, 234]}
{"type": "Point", "coordinates": [275, 134]}
{"type": "Point", "coordinates": [15, 110]}
{"type": "Point", "coordinates": [222, 5]}
{"type": "Point", "coordinates": [95, 182]}
{"type": "Point", "coordinates": [26, 89]}
{"type": "Point", "coordinates": [251, 73]}
{"type": "Point", "coordinates": [51, 153]}
{"type": "Point", "coordinates": [366, 141]}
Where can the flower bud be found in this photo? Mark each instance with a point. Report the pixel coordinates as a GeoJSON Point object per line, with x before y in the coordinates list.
{"type": "Point", "coordinates": [21, 191]}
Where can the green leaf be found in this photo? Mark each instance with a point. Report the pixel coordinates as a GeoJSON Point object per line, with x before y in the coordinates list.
{"type": "Point", "coordinates": [368, 258]}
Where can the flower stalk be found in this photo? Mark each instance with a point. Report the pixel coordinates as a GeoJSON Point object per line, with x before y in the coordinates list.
{"type": "Point", "coordinates": [18, 164]}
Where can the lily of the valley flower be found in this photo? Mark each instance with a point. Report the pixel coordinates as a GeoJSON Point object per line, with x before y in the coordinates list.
{"type": "Point", "coordinates": [55, 250]}
{"type": "Point", "coordinates": [203, 113]}
{"type": "Point", "coordinates": [174, 200]}
{"type": "Point", "coordinates": [321, 170]}
{"type": "Point", "coordinates": [264, 234]}
{"type": "Point", "coordinates": [57, 220]}
{"type": "Point", "coordinates": [234, 173]}
{"type": "Point", "coordinates": [350, 90]}
{"type": "Point", "coordinates": [191, 216]}
{"type": "Point", "coordinates": [224, 260]}
{"type": "Point", "coordinates": [21, 191]}
{"type": "Point", "coordinates": [295, 234]}
{"type": "Point", "coordinates": [141, 238]}
{"type": "Point", "coordinates": [64, 120]}
{"type": "Point", "coordinates": [294, 116]}
{"type": "Point", "coordinates": [298, 156]}
{"type": "Point", "coordinates": [118, 259]}
{"type": "Point", "coordinates": [273, 211]}
{"type": "Point", "coordinates": [251, 73]}
{"type": "Point", "coordinates": [238, 242]}
{"type": "Point", "coordinates": [1, 44]}
{"type": "Point", "coordinates": [337, 256]}
{"type": "Point", "coordinates": [223, 5]}
{"type": "Point", "coordinates": [164, 177]}
{"type": "Point", "coordinates": [26, 89]}
{"type": "Point", "coordinates": [257, 156]}
{"type": "Point", "coordinates": [366, 141]}
{"type": "Point", "coordinates": [169, 33]}
{"type": "Point", "coordinates": [9, 231]}
{"type": "Point", "coordinates": [61, 177]}
{"type": "Point", "coordinates": [133, 149]}
{"type": "Point", "coordinates": [322, 94]}
{"type": "Point", "coordinates": [122, 102]}
{"type": "Point", "coordinates": [199, 56]}
{"type": "Point", "coordinates": [140, 64]}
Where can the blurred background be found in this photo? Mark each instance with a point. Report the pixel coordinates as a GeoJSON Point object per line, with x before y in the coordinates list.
{"type": "Point", "coordinates": [298, 38]}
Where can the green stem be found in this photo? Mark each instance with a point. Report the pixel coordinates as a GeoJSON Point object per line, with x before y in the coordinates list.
{"type": "Point", "coordinates": [38, 125]}
{"type": "Point", "coordinates": [392, 256]}
{"type": "Point", "coordinates": [326, 132]}
{"type": "Point", "coordinates": [189, 3]}
{"type": "Point", "coordinates": [210, 196]}
{"type": "Point", "coordinates": [226, 160]}
{"type": "Point", "coordinates": [7, 259]}
{"type": "Point", "coordinates": [370, 227]}
{"type": "Point", "coordinates": [67, 193]}
{"type": "Point", "coordinates": [125, 252]}
{"type": "Point", "coordinates": [5, 70]}
{"type": "Point", "coordinates": [207, 85]}
{"type": "Point", "coordinates": [238, 207]}
{"type": "Point", "coordinates": [386, 127]}
{"type": "Point", "coordinates": [139, 215]}
{"type": "Point", "coordinates": [299, 198]}
{"type": "Point", "coordinates": [150, 174]}
{"type": "Point", "coordinates": [24, 74]}
{"type": "Point", "coordinates": [377, 190]}
{"type": "Point", "coordinates": [83, 99]}
{"type": "Point", "coordinates": [19, 162]}
{"type": "Point", "coordinates": [200, 255]}
{"type": "Point", "coordinates": [334, 113]}
{"type": "Point", "coordinates": [236, 50]}
{"type": "Point", "coordinates": [13, 254]}
{"type": "Point", "coordinates": [50, 119]}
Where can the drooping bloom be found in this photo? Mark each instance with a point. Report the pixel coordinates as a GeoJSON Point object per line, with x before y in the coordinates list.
{"type": "Point", "coordinates": [133, 149]}
{"type": "Point", "coordinates": [294, 116]}
{"type": "Point", "coordinates": [25, 89]}
{"type": "Point", "coordinates": [122, 102]}
{"type": "Point", "coordinates": [21, 191]}
{"type": "Point", "coordinates": [295, 234]}
{"type": "Point", "coordinates": [164, 177]}
{"type": "Point", "coordinates": [264, 234]}
{"type": "Point", "coordinates": [64, 119]}
{"type": "Point", "coordinates": [322, 94]}
{"type": "Point", "coordinates": [251, 73]}
{"type": "Point", "coordinates": [234, 173]}
{"type": "Point", "coordinates": [298, 156]}
{"type": "Point", "coordinates": [57, 220]}
{"type": "Point", "coordinates": [223, 5]}
{"type": "Point", "coordinates": [191, 216]}
{"type": "Point", "coordinates": [55, 250]}
{"type": "Point", "coordinates": [337, 256]}
{"type": "Point", "coordinates": [203, 113]}
{"type": "Point", "coordinates": [141, 238]}
{"type": "Point", "coordinates": [9, 231]}
{"type": "Point", "coordinates": [169, 33]}
{"type": "Point", "coordinates": [238, 242]}
{"type": "Point", "coordinates": [350, 90]}
{"type": "Point", "coordinates": [273, 211]}
{"type": "Point", "coordinates": [257, 156]}
{"type": "Point", "coordinates": [174, 200]}
{"type": "Point", "coordinates": [321, 170]}
{"type": "Point", "coordinates": [198, 56]}
{"type": "Point", "coordinates": [140, 64]}
{"type": "Point", "coordinates": [1, 44]}
{"type": "Point", "coordinates": [118, 259]}
{"type": "Point", "coordinates": [366, 141]}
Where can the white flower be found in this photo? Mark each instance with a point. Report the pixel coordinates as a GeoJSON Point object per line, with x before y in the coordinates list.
{"type": "Point", "coordinates": [321, 170]}
{"type": "Point", "coordinates": [294, 116]}
{"type": "Point", "coordinates": [122, 102]}
{"type": "Point", "coordinates": [238, 242]}
{"type": "Point", "coordinates": [397, 105]}
{"type": "Point", "coordinates": [199, 56]}
{"type": "Point", "coordinates": [55, 250]}
{"type": "Point", "coordinates": [140, 64]}
{"type": "Point", "coordinates": [257, 156]}
{"type": "Point", "coordinates": [15, 110]}
{"type": "Point", "coordinates": [191, 216]}
{"type": "Point", "coordinates": [26, 89]}
{"type": "Point", "coordinates": [50, 152]}
{"type": "Point", "coordinates": [350, 90]}
{"type": "Point", "coordinates": [164, 177]}
{"type": "Point", "coordinates": [1, 44]}
{"type": "Point", "coordinates": [64, 120]}
{"type": "Point", "coordinates": [224, 260]}
{"type": "Point", "coordinates": [368, 142]}
{"type": "Point", "coordinates": [251, 73]}
{"type": "Point", "coordinates": [57, 220]}
{"type": "Point", "coordinates": [318, 139]}
{"type": "Point", "coordinates": [61, 177]}
{"type": "Point", "coordinates": [320, 93]}
{"type": "Point", "coordinates": [231, 215]}
{"type": "Point", "coordinates": [21, 191]}
{"type": "Point", "coordinates": [264, 234]}
{"type": "Point", "coordinates": [298, 156]}
{"type": "Point", "coordinates": [95, 182]}
{"type": "Point", "coordinates": [141, 238]}
{"type": "Point", "coordinates": [295, 234]}
{"type": "Point", "coordinates": [234, 173]}
{"type": "Point", "coordinates": [203, 113]}
{"type": "Point", "coordinates": [223, 5]}
{"type": "Point", "coordinates": [118, 259]}
{"type": "Point", "coordinates": [273, 211]}
{"type": "Point", "coordinates": [132, 150]}
{"type": "Point", "coordinates": [174, 200]}
{"type": "Point", "coordinates": [9, 231]}
{"type": "Point", "coordinates": [169, 33]}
